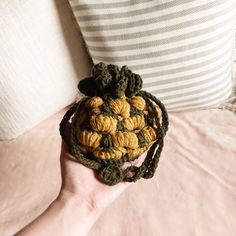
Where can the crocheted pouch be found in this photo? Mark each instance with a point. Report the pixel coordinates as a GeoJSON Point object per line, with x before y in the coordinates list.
{"type": "Point", "coordinates": [115, 123]}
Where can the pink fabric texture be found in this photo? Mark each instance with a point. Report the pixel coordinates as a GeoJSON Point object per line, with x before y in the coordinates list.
{"type": "Point", "coordinates": [192, 193]}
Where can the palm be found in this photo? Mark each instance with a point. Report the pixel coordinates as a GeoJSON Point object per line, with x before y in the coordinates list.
{"type": "Point", "coordinates": [82, 182]}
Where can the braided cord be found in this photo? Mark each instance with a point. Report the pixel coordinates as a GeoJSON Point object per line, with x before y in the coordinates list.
{"type": "Point", "coordinates": [165, 121]}
{"type": "Point", "coordinates": [149, 165]}
{"type": "Point", "coordinates": [162, 129]}
{"type": "Point", "coordinates": [65, 121]}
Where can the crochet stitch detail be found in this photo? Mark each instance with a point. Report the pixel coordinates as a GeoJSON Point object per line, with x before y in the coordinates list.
{"type": "Point", "coordinates": [115, 123]}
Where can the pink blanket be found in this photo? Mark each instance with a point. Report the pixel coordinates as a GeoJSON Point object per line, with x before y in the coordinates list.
{"type": "Point", "coordinates": [193, 191]}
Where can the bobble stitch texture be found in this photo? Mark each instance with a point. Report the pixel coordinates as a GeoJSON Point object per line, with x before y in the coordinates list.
{"type": "Point", "coordinates": [115, 123]}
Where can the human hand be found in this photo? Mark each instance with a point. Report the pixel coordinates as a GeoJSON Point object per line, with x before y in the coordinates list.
{"type": "Point", "coordinates": [80, 202]}
{"type": "Point", "coordinates": [81, 182]}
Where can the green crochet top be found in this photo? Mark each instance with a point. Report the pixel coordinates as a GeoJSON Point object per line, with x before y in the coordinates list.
{"type": "Point", "coordinates": [115, 123]}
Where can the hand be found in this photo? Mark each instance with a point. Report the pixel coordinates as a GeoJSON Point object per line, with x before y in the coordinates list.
{"type": "Point", "coordinates": [80, 202]}
{"type": "Point", "coordinates": [80, 182]}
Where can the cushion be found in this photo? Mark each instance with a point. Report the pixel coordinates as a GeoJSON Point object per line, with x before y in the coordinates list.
{"type": "Point", "coordinates": [181, 48]}
{"type": "Point", "coordinates": [40, 62]}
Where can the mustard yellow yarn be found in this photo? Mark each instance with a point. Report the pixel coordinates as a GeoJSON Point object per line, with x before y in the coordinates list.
{"type": "Point", "coordinates": [138, 102]}
{"type": "Point", "coordinates": [103, 123]}
{"type": "Point", "coordinates": [125, 139]}
{"type": "Point", "coordinates": [89, 138]}
{"type": "Point", "coordinates": [150, 134]}
{"type": "Point", "coordinates": [94, 102]}
{"type": "Point", "coordinates": [136, 152]}
{"type": "Point", "coordinates": [134, 122]}
{"type": "Point", "coordinates": [120, 106]}
{"type": "Point", "coordinates": [159, 112]}
{"type": "Point", "coordinates": [96, 110]}
{"type": "Point", "coordinates": [115, 154]}
{"type": "Point", "coordinates": [115, 123]}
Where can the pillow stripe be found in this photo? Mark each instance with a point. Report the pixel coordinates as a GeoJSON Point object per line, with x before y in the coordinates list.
{"type": "Point", "coordinates": [187, 85]}
{"type": "Point", "coordinates": [171, 62]}
{"type": "Point", "coordinates": [200, 100]}
{"type": "Point", "coordinates": [198, 88]}
{"type": "Point", "coordinates": [160, 30]}
{"type": "Point", "coordinates": [105, 5]}
{"type": "Point", "coordinates": [178, 85]}
{"type": "Point", "coordinates": [188, 70]}
{"type": "Point", "coordinates": [204, 97]}
{"type": "Point", "coordinates": [147, 10]}
{"type": "Point", "coordinates": [127, 11]}
{"type": "Point", "coordinates": [152, 18]}
{"type": "Point", "coordinates": [181, 48]}
{"type": "Point", "coordinates": [164, 41]}
{"type": "Point", "coordinates": [156, 52]}
{"type": "Point", "coordinates": [202, 89]}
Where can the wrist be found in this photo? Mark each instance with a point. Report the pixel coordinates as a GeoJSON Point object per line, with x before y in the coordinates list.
{"type": "Point", "coordinates": [67, 215]}
{"type": "Point", "coordinates": [77, 204]}
{"type": "Point", "coordinates": [72, 214]}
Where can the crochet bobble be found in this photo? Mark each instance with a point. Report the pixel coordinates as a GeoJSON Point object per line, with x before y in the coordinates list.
{"type": "Point", "coordinates": [108, 80]}
{"type": "Point", "coordinates": [116, 122]}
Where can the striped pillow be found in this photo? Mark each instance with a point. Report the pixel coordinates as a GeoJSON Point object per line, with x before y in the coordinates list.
{"type": "Point", "coordinates": [181, 48]}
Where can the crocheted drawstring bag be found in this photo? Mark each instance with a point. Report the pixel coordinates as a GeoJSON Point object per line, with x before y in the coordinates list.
{"type": "Point", "coordinates": [114, 123]}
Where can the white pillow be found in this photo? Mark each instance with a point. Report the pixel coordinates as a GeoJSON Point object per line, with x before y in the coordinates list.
{"type": "Point", "coordinates": [181, 48]}
{"type": "Point", "coordinates": [42, 58]}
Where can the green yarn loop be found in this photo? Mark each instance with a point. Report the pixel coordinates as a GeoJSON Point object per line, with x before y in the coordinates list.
{"type": "Point", "coordinates": [111, 174]}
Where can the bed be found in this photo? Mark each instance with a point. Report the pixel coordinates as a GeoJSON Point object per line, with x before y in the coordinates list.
{"type": "Point", "coordinates": [192, 193]}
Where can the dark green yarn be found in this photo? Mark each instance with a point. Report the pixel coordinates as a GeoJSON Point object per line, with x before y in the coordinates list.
{"type": "Point", "coordinates": [106, 142]}
{"type": "Point", "coordinates": [88, 87]}
{"type": "Point", "coordinates": [120, 126]}
{"type": "Point", "coordinates": [111, 174]}
{"type": "Point", "coordinates": [110, 81]}
{"type": "Point", "coordinates": [149, 119]}
{"type": "Point", "coordinates": [141, 139]}
{"type": "Point", "coordinates": [106, 110]}
{"type": "Point", "coordinates": [165, 122]}
{"type": "Point", "coordinates": [65, 121]}
{"type": "Point", "coordinates": [102, 77]}
{"type": "Point", "coordinates": [119, 81]}
{"type": "Point", "coordinates": [135, 111]}
{"type": "Point", "coordinates": [135, 83]}
{"type": "Point", "coordinates": [114, 71]}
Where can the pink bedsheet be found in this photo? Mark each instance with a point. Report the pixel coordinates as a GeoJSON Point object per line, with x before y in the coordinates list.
{"type": "Point", "coordinates": [193, 191]}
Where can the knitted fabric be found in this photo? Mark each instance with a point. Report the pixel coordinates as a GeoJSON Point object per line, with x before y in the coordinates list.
{"type": "Point", "coordinates": [115, 123]}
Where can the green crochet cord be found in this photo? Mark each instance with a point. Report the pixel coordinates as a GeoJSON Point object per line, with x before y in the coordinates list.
{"type": "Point", "coordinates": [110, 81]}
